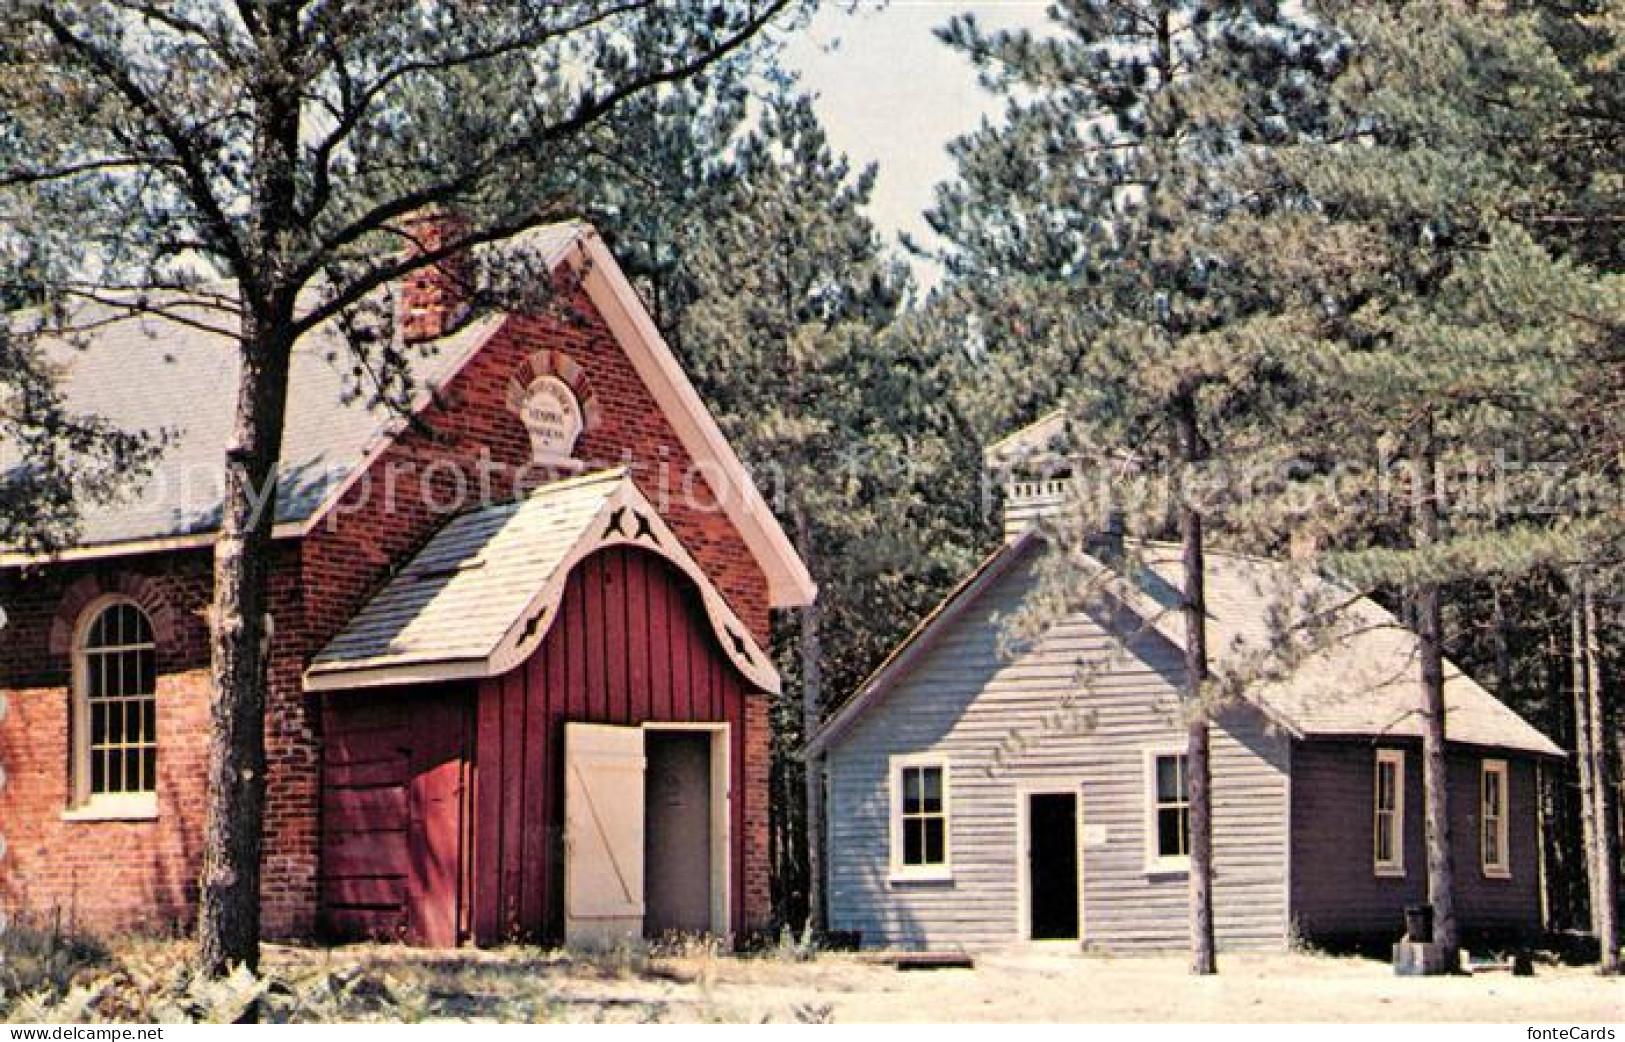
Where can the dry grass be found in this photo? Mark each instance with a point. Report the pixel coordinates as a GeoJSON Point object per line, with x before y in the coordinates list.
{"type": "Point", "coordinates": [147, 980]}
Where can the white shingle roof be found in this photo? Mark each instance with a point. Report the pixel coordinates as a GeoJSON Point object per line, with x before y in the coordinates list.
{"type": "Point", "coordinates": [479, 598]}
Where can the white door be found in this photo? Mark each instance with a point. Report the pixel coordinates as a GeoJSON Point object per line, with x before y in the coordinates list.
{"type": "Point", "coordinates": [603, 834]}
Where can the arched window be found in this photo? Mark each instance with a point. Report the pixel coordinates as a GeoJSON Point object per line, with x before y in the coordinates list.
{"type": "Point", "coordinates": [115, 705]}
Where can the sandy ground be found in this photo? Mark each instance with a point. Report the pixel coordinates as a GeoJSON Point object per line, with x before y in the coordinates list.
{"type": "Point", "coordinates": [1030, 986]}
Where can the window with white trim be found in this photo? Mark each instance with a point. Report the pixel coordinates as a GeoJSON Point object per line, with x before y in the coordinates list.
{"type": "Point", "coordinates": [1492, 819]}
{"type": "Point", "coordinates": [1168, 844]}
{"type": "Point", "coordinates": [1388, 818]}
{"type": "Point", "coordinates": [115, 706]}
{"type": "Point", "coordinates": [919, 817]}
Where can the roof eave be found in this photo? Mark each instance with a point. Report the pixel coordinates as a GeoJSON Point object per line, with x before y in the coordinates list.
{"type": "Point", "coordinates": [790, 585]}
{"type": "Point", "coordinates": [527, 627]}
{"type": "Point", "coordinates": [1549, 750]}
{"type": "Point", "coordinates": [361, 677]}
{"type": "Point", "coordinates": [917, 642]}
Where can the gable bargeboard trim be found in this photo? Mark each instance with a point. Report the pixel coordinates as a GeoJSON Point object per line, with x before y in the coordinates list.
{"type": "Point", "coordinates": [789, 582]}
{"type": "Point", "coordinates": [613, 496]}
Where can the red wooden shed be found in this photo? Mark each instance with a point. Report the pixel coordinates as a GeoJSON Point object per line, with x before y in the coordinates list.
{"type": "Point", "coordinates": [536, 731]}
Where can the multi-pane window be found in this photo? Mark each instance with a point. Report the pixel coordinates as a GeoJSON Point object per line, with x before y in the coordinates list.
{"type": "Point", "coordinates": [1388, 825]}
{"type": "Point", "coordinates": [920, 828]}
{"type": "Point", "coordinates": [1170, 810]}
{"type": "Point", "coordinates": [117, 705]}
{"type": "Point", "coordinates": [1493, 818]}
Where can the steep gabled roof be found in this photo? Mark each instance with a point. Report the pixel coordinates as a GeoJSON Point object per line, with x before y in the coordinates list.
{"type": "Point", "coordinates": [481, 596]}
{"type": "Point", "coordinates": [920, 639]}
{"type": "Point", "coordinates": [1364, 684]}
{"type": "Point", "coordinates": [153, 374]}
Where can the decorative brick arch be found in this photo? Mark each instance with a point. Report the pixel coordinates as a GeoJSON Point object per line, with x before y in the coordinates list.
{"type": "Point", "coordinates": [147, 593]}
{"type": "Point", "coordinates": [548, 362]}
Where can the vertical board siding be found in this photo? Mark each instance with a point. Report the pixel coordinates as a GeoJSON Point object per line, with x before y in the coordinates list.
{"type": "Point", "coordinates": [631, 647]}
{"type": "Point", "coordinates": [377, 813]}
{"type": "Point", "coordinates": [1337, 895]}
{"type": "Point", "coordinates": [963, 700]}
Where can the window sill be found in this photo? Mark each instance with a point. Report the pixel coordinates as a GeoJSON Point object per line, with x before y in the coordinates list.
{"type": "Point", "coordinates": [905, 876]}
{"type": "Point", "coordinates": [1169, 867]}
{"type": "Point", "coordinates": [124, 808]}
{"type": "Point", "coordinates": [1497, 873]}
{"type": "Point", "coordinates": [1389, 873]}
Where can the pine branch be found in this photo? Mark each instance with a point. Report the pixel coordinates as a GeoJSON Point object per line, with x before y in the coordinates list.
{"type": "Point", "coordinates": [186, 155]}
{"type": "Point", "coordinates": [587, 113]}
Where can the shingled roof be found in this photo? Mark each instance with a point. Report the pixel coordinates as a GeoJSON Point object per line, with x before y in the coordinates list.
{"type": "Point", "coordinates": [479, 598]}
{"type": "Point", "coordinates": [165, 374]}
{"type": "Point", "coordinates": [1362, 684]}
{"type": "Point", "coordinates": [157, 375]}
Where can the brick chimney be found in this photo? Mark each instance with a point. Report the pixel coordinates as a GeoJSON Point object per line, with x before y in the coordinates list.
{"type": "Point", "coordinates": [434, 299]}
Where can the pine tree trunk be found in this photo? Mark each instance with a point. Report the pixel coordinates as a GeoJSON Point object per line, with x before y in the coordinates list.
{"type": "Point", "coordinates": [1580, 683]}
{"type": "Point", "coordinates": [241, 628]}
{"type": "Point", "coordinates": [1198, 771]}
{"type": "Point", "coordinates": [229, 897]}
{"type": "Point", "coordinates": [1441, 862]}
{"type": "Point", "coordinates": [1569, 877]}
{"type": "Point", "coordinates": [812, 714]}
{"type": "Point", "coordinates": [1605, 899]}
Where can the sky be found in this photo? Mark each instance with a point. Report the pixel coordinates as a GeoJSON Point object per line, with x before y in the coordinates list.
{"type": "Point", "coordinates": [889, 92]}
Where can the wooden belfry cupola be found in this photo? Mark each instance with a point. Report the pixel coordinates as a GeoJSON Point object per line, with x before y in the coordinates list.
{"type": "Point", "coordinates": [1035, 470]}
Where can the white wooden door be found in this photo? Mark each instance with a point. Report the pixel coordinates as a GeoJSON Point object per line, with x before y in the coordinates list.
{"type": "Point", "coordinates": [603, 834]}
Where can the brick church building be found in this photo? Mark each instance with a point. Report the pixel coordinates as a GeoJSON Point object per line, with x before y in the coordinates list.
{"type": "Point", "coordinates": [519, 674]}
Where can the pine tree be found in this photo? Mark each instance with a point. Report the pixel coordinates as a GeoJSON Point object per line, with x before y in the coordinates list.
{"type": "Point", "coordinates": [1086, 242]}
{"type": "Point", "coordinates": [796, 351]}
{"type": "Point", "coordinates": [1581, 219]}
{"type": "Point", "coordinates": [286, 146]}
{"type": "Point", "coordinates": [1431, 324]}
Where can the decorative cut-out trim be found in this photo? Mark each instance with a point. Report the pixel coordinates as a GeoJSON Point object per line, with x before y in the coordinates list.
{"type": "Point", "coordinates": [627, 509]}
{"type": "Point", "coordinates": [625, 518]}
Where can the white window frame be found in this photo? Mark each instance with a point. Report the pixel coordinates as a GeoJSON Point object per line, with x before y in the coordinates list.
{"type": "Point", "coordinates": [1496, 769]}
{"type": "Point", "coordinates": [1393, 867]}
{"type": "Point", "coordinates": [1155, 863]}
{"type": "Point", "coordinates": [918, 873]}
{"type": "Point", "coordinates": [83, 804]}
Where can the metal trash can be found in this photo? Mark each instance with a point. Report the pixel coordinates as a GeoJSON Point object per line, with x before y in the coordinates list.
{"type": "Point", "coordinates": [1419, 924]}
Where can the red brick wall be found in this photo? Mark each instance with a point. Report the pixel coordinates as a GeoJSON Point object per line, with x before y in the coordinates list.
{"type": "Point", "coordinates": [401, 500]}
{"type": "Point", "coordinates": [53, 864]}
{"type": "Point", "coordinates": [372, 530]}
{"type": "Point", "coordinates": [101, 873]}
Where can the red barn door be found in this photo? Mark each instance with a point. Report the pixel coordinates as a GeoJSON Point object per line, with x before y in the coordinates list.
{"type": "Point", "coordinates": [395, 815]}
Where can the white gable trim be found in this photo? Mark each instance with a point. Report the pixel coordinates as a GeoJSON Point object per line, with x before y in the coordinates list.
{"type": "Point", "coordinates": [790, 585]}
{"type": "Point", "coordinates": [626, 518]}
{"type": "Point", "coordinates": [903, 657]}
